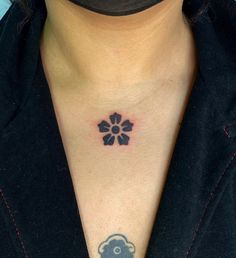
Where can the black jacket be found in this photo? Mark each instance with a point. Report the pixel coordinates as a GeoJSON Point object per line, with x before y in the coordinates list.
{"type": "Point", "coordinates": [39, 217]}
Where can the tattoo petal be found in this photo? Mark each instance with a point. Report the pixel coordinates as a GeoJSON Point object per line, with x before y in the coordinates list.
{"type": "Point", "coordinates": [123, 139]}
{"type": "Point", "coordinates": [127, 126]}
{"type": "Point", "coordinates": [103, 126]}
{"type": "Point", "coordinates": [109, 139]}
{"type": "Point", "coordinates": [115, 118]}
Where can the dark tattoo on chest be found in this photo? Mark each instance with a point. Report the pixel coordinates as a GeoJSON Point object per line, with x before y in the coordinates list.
{"type": "Point", "coordinates": [115, 130]}
{"type": "Point", "coordinates": [116, 246]}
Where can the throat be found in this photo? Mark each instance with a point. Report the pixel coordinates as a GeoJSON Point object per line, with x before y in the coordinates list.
{"type": "Point", "coordinates": [117, 58]}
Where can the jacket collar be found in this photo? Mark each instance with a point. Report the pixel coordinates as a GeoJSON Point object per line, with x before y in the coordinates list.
{"type": "Point", "coordinates": [35, 178]}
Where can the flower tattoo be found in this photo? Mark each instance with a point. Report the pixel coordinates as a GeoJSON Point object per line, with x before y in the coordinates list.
{"type": "Point", "coordinates": [116, 245]}
{"type": "Point", "coordinates": [115, 129]}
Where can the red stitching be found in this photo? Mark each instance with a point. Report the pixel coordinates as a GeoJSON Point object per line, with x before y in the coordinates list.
{"type": "Point", "coordinates": [226, 131]}
{"type": "Point", "coordinates": [226, 128]}
{"type": "Point", "coordinates": [18, 234]}
{"type": "Point", "coordinates": [211, 195]}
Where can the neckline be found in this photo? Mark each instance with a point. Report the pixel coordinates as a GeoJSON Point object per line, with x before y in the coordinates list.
{"type": "Point", "coordinates": [61, 149]}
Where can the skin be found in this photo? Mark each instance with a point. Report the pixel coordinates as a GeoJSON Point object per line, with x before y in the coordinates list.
{"type": "Point", "coordinates": [117, 58]}
{"type": "Point", "coordinates": [141, 66]}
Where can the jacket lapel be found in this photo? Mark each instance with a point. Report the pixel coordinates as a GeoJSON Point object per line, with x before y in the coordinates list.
{"type": "Point", "coordinates": [204, 158]}
{"type": "Point", "coordinates": [35, 180]}
{"type": "Point", "coordinates": [37, 199]}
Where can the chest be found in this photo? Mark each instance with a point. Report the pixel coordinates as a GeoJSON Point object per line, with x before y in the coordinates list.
{"type": "Point", "coordinates": [117, 194]}
{"type": "Point", "coordinates": [118, 187]}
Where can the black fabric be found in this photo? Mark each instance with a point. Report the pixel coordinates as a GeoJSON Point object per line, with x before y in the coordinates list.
{"type": "Point", "coordinates": [116, 7]}
{"type": "Point", "coordinates": [39, 216]}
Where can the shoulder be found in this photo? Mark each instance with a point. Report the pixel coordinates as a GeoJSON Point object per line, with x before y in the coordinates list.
{"type": "Point", "coordinates": [19, 48]}
{"type": "Point", "coordinates": [217, 16]}
{"type": "Point", "coordinates": [214, 30]}
{"type": "Point", "coordinates": [7, 102]}
{"type": "Point", "coordinates": [223, 17]}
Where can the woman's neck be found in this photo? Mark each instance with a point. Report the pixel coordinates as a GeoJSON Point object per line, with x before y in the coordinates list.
{"type": "Point", "coordinates": [83, 48]}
